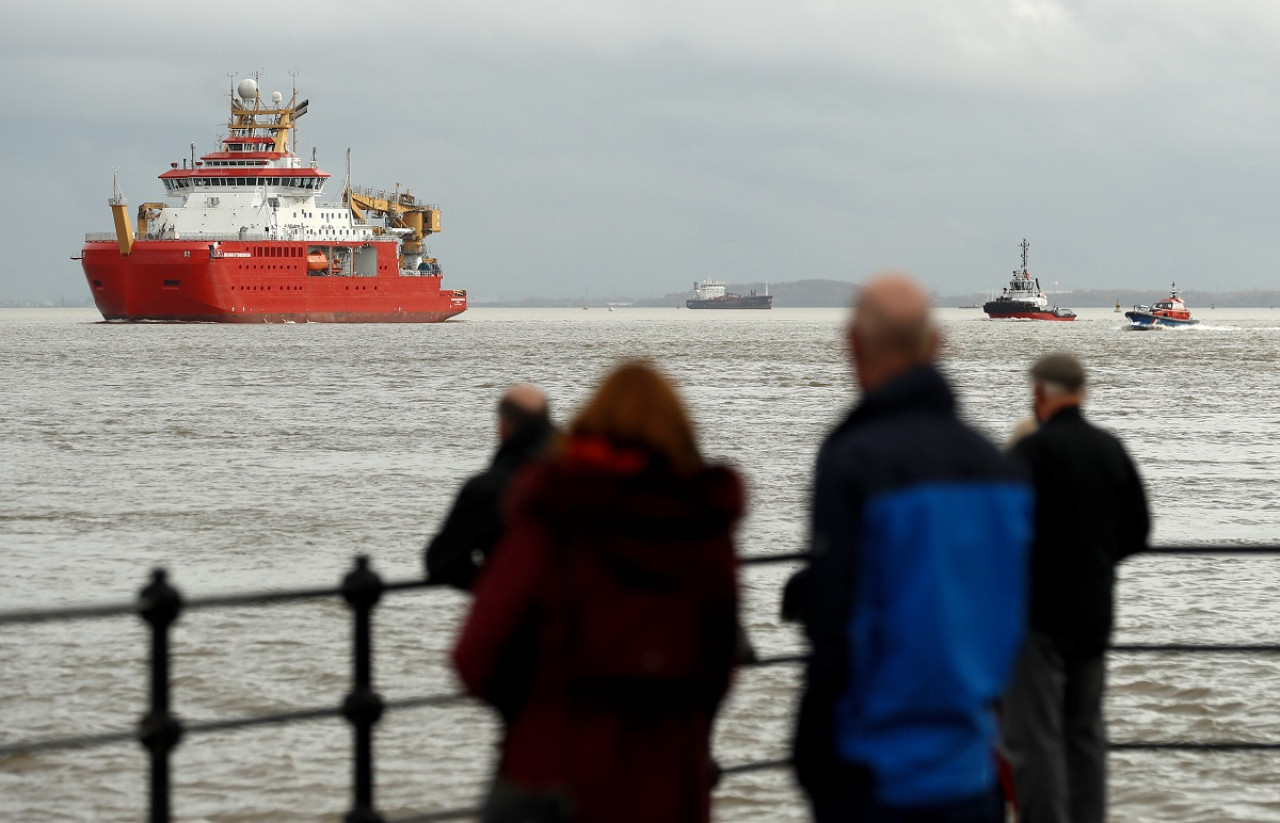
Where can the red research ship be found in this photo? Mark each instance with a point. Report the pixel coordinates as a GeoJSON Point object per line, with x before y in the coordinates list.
{"type": "Point", "coordinates": [248, 241]}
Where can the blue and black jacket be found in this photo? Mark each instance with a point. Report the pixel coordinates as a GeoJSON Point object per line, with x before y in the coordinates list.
{"type": "Point", "coordinates": [914, 601]}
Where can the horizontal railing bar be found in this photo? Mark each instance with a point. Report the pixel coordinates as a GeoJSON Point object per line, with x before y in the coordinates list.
{"type": "Point", "coordinates": [779, 660]}
{"type": "Point", "coordinates": [1214, 549]}
{"type": "Point", "coordinates": [416, 583]}
{"type": "Point", "coordinates": [68, 613]}
{"type": "Point", "coordinates": [431, 817]}
{"type": "Point", "coordinates": [760, 559]}
{"type": "Point", "coordinates": [1195, 647]}
{"type": "Point", "coordinates": [314, 713]}
{"type": "Point", "coordinates": [1173, 745]}
{"type": "Point", "coordinates": [59, 743]}
{"type": "Point", "coordinates": [420, 702]}
{"type": "Point", "coordinates": [250, 598]}
{"type": "Point", "coordinates": [319, 712]}
{"type": "Point", "coordinates": [758, 766]}
{"type": "Point", "coordinates": [255, 598]}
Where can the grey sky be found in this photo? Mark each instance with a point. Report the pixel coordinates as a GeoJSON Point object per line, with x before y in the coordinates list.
{"type": "Point", "coordinates": [629, 148]}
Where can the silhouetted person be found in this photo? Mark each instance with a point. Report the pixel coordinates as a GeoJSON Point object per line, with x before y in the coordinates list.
{"type": "Point", "coordinates": [914, 600]}
{"type": "Point", "coordinates": [1091, 512]}
{"type": "Point", "coordinates": [474, 524]}
{"type": "Point", "coordinates": [603, 629]}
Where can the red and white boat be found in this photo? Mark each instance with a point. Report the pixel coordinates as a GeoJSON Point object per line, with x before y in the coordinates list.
{"type": "Point", "coordinates": [1171, 312]}
{"type": "Point", "coordinates": [247, 239]}
{"type": "Point", "coordinates": [1023, 299]}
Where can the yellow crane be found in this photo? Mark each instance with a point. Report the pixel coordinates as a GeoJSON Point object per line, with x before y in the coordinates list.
{"type": "Point", "coordinates": [401, 211]}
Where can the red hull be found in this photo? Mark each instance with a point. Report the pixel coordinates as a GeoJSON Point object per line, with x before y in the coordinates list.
{"type": "Point", "coordinates": [1032, 315]}
{"type": "Point", "coordinates": [259, 282]}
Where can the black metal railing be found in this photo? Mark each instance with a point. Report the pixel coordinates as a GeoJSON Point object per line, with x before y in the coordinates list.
{"type": "Point", "coordinates": [159, 604]}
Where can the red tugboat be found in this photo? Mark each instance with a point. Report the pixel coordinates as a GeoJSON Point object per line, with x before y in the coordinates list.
{"type": "Point", "coordinates": [248, 240]}
{"type": "Point", "coordinates": [1023, 299]}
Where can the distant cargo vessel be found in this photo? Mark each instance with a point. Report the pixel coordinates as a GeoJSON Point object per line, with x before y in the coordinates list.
{"type": "Point", "coordinates": [250, 242]}
{"type": "Point", "coordinates": [711, 294]}
{"type": "Point", "coordinates": [1023, 299]}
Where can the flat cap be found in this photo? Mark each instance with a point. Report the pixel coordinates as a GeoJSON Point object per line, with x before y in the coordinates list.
{"type": "Point", "coordinates": [1061, 369]}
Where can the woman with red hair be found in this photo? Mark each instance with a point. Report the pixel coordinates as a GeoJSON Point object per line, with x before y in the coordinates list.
{"type": "Point", "coordinates": [603, 626]}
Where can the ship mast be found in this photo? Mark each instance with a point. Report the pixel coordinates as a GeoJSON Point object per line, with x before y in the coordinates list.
{"type": "Point", "coordinates": [1025, 246]}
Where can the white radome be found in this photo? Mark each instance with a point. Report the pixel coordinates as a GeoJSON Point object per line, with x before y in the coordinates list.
{"type": "Point", "coordinates": [276, 98]}
{"type": "Point", "coordinates": [247, 90]}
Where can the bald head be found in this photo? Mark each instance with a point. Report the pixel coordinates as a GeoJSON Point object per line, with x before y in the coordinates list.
{"type": "Point", "coordinates": [521, 406]}
{"type": "Point", "coordinates": [892, 329]}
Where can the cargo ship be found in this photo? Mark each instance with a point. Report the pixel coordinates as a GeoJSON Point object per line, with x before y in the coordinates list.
{"type": "Point", "coordinates": [1023, 299]}
{"type": "Point", "coordinates": [712, 294]}
{"type": "Point", "coordinates": [247, 239]}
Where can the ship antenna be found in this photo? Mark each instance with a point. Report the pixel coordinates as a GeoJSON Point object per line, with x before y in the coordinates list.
{"type": "Point", "coordinates": [117, 198]}
{"type": "Point", "coordinates": [1025, 246]}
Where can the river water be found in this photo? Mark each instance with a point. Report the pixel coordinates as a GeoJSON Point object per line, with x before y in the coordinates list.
{"type": "Point", "coordinates": [264, 457]}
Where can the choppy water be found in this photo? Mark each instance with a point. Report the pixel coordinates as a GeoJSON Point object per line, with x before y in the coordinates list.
{"type": "Point", "coordinates": [257, 457]}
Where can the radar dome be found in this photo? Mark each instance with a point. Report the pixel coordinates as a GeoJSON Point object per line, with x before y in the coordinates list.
{"type": "Point", "coordinates": [248, 90]}
{"type": "Point", "coordinates": [276, 97]}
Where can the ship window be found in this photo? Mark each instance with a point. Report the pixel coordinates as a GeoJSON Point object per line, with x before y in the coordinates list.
{"type": "Point", "coordinates": [171, 284]}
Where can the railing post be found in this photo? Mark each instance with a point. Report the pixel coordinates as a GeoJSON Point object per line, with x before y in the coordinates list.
{"type": "Point", "coordinates": [159, 731]}
{"type": "Point", "coordinates": [362, 589]}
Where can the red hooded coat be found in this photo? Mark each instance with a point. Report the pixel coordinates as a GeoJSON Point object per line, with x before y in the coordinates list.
{"type": "Point", "coordinates": [603, 630]}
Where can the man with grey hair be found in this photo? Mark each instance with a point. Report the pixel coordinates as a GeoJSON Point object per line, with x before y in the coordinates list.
{"type": "Point", "coordinates": [914, 600]}
{"type": "Point", "coordinates": [1091, 513]}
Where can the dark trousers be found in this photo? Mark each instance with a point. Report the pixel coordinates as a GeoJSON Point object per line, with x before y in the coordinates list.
{"type": "Point", "coordinates": [860, 807]}
{"type": "Point", "coordinates": [509, 803]}
{"type": "Point", "coordinates": [1053, 733]}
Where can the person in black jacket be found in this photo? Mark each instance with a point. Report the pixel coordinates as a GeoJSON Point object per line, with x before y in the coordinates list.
{"type": "Point", "coordinates": [474, 524]}
{"type": "Point", "coordinates": [1091, 513]}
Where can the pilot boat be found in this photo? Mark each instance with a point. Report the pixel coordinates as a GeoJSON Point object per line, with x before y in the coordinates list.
{"type": "Point", "coordinates": [1171, 311]}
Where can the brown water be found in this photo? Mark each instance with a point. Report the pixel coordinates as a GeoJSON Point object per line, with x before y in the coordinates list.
{"type": "Point", "coordinates": [264, 457]}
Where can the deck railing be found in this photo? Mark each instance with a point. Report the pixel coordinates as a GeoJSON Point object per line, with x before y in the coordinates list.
{"type": "Point", "coordinates": [159, 604]}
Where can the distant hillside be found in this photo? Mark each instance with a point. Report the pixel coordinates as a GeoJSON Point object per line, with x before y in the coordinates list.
{"type": "Point", "coordinates": [819, 293]}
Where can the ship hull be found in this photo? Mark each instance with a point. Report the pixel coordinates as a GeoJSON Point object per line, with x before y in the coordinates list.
{"type": "Point", "coordinates": [763, 301]}
{"type": "Point", "coordinates": [259, 282]}
{"type": "Point", "coordinates": [1019, 310]}
{"type": "Point", "coordinates": [1143, 320]}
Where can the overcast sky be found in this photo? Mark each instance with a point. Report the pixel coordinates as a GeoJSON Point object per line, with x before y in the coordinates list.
{"type": "Point", "coordinates": [630, 148]}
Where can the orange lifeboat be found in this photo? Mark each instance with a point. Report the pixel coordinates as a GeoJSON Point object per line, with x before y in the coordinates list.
{"type": "Point", "coordinates": [1172, 311]}
{"type": "Point", "coordinates": [317, 262]}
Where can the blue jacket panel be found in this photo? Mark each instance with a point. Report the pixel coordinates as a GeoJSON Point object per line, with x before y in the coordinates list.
{"type": "Point", "coordinates": [915, 600]}
{"type": "Point", "coordinates": [933, 633]}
